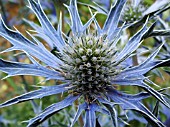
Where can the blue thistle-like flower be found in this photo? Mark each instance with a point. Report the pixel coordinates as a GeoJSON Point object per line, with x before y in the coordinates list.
{"type": "Point", "coordinates": [133, 11]}
{"type": "Point", "coordinates": [88, 64]}
{"type": "Point", "coordinates": [137, 9]}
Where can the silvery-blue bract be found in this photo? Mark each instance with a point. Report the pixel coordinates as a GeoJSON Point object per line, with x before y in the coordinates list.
{"type": "Point", "coordinates": [87, 62]}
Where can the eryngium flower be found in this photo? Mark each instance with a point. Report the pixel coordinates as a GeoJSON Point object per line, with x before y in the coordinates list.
{"type": "Point", "coordinates": [137, 9]}
{"type": "Point", "coordinates": [88, 64]}
{"type": "Point", "coordinates": [133, 12]}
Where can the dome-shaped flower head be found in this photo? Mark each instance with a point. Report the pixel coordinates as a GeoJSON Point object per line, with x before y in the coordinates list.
{"type": "Point", "coordinates": [133, 11]}
{"type": "Point", "coordinates": [137, 9]}
{"type": "Point", "coordinates": [88, 65]}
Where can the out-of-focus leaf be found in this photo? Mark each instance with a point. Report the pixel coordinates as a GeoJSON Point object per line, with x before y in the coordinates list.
{"type": "Point", "coordinates": [104, 3]}
{"type": "Point", "coordinates": [167, 72]}
{"type": "Point", "coordinates": [5, 122]}
{"type": "Point", "coordinates": [98, 8]}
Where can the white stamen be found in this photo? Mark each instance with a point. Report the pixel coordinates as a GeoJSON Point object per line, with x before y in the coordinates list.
{"type": "Point", "coordinates": [81, 50]}
{"type": "Point", "coordinates": [78, 60]}
{"type": "Point", "coordinates": [90, 42]}
{"type": "Point", "coordinates": [81, 67]}
{"type": "Point", "coordinates": [84, 58]}
{"type": "Point", "coordinates": [88, 65]}
{"type": "Point", "coordinates": [97, 51]}
{"type": "Point", "coordinates": [89, 51]}
{"type": "Point", "coordinates": [94, 59]}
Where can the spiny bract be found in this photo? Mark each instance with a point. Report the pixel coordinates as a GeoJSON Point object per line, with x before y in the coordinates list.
{"type": "Point", "coordinates": [87, 63]}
